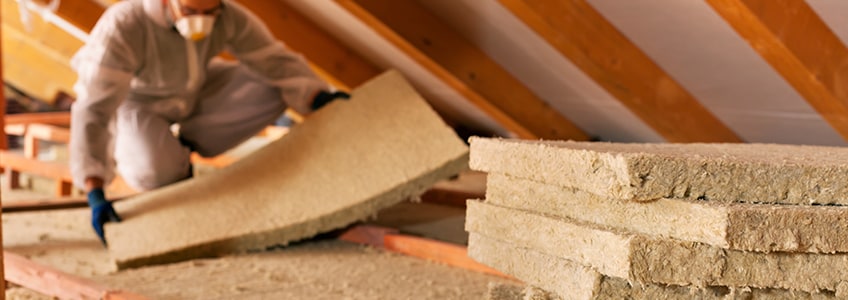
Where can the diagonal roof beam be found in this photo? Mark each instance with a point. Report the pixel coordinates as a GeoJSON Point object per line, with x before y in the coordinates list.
{"type": "Point", "coordinates": [321, 48]}
{"type": "Point", "coordinates": [35, 69]}
{"type": "Point", "coordinates": [498, 115]}
{"type": "Point", "coordinates": [594, 45]}
{"type": "Point", "coordinates": [329, 58]}
{"type": "Point", "coordinates": [81, 13]}
{"type": "Point", "coordinates": [800, 46]}
{"type": "Point", "coordinates": [4, 141]}
{"type": "Point", "coordinates": [429, 35]}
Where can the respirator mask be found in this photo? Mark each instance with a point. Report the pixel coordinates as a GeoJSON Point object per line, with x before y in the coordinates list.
{"type": "Point", "coordinates": [195, 25]}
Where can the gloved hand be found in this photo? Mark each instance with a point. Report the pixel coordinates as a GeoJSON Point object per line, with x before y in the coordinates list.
{"type": "Point", "coordinates": [323, 97]}
{"type": "Point", "coordinates": [101, 212]}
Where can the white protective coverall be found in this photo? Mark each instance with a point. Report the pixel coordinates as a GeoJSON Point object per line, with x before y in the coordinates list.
{"type": "Point", "coordinates": [138, 76]}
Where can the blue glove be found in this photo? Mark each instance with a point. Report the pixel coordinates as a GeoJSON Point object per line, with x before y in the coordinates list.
{"type": "Point", "coordinates": [101, 212]}
{"type": "Point", "coordinates": [326, 97]}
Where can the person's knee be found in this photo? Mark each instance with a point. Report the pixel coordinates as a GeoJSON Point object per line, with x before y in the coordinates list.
{"type": "Point", "coordinates": [149, 178]}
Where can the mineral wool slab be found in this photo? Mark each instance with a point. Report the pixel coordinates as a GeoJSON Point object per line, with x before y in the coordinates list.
{"type": "Point", "coordinates": [645, 260]}
{"type": "Point", "coordinates": [757, 173]}
{"type": "Point", "coordinates": [739, 226]}
{"type": "Point", "coordinates": [346, 162]}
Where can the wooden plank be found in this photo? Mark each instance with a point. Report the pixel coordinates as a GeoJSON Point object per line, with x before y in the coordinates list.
{"type": "Point", "coordinates": [321, 48]}
{"type": "Point", "coordinates": [800, 46]}
{"type": "Point", "coordinates": [53, 203]}
{"type": "Point", "coordinates": [473, 67]}
{"type": "Point", "coordinates": [36, 70]}
{"type": "Point", "coordinates": [389, 239]}
{"type": "Point", "coordinates": [50, 36]}
{"type": "Point", "coordinates": [440, 72]}
{"type": "Point", "coordinates": [456, 191]}
{"type": "Point", "coordinates": [47, 132]}
{"type": "Point", "coordinates": [54, 170]}
{"type": "Point", "coordinates": [367, 235]}
{"type": "Point", "coordinates": [55, 283]}
{"type": "Point", "coordinates": [81, 13]}
{"type": "Point", "coordinates": [52, 118]}
{"type": "Point", "coordinates": [604, 54]}
{"type": "Point", "coordinates": [450, 254]}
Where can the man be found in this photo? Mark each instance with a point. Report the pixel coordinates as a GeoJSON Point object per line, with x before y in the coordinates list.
{"type": "Point", "coordinates": [149, 64]}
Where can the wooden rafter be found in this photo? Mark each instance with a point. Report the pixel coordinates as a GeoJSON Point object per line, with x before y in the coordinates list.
{"type": "Point", "coordinates": [35, 70]}
{"type": "Point", "coordinates": [81, 13]}
{"type": "Point", "coordinates": [472, 66]}
{"type": "Point", "coordinates": [587, 39]}
{"type": "Point", "coordinates": [800, 46]}
{"type": "Point", "coordinates": [498, 115]}
{"type": "Point", "coordinates": [85, 13]}
{"type": "Point", "coordinates": [321, 48]}
{"type": "Point", "coordinates": [60, 43]}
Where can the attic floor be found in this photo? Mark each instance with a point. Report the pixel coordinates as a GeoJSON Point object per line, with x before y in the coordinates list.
{"type": "Point", "coordinates": [316, 269]}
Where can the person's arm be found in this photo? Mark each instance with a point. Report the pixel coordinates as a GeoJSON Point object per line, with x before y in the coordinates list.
{"type": "Point", "coordinates": [254, 45]}
{"type": "Point", "coordinates": [104, 67]}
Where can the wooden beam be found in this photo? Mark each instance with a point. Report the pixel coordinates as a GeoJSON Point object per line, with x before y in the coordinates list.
{"type": "Point", "coordinates": [322, 49]}
{"type": "Point", "coordinates": [334, 63]}
{"type": "Point", "coordinates": [52, 282]}
{"type": "Point", "coordinates": [81, 13]}
{"type": "Point", "coordinates": [800, 46]}
{"type": "Point", "coordinates": [37, 70]}
{"type": "Point", "coordinates": [446, 253]}
{"type": "Point", "coordinates": [498, 115]}
{"type": "Point", "coordinates": [603, 53]}
{"type": "Point", "coordinates": [4, 145]}
{"type": "Point", "coordinates": [472, 66]}
{"type": "Point", "coordinates": [50, 36]}
{"type": "Point", "coordinates": [54, 203]}
{"type": "Point", "coordinates": [52, 118]}
{"type": "Point", "coordinates": [54, 170]}
{"type": "Point", "coordinates": [388, 239]}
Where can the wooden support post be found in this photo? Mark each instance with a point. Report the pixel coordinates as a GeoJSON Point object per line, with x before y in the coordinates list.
{"type": "Point", "coordinates": [12, 180]}
{"type": "Point", "coordinates": [3, 146]}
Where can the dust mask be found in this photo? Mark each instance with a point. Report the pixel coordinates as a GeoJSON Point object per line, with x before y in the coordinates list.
{"type": "Point", "coordinates": [195, 27]}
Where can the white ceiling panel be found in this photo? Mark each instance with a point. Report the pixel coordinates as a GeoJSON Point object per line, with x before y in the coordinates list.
{"type": "Point", "coordinates": [706, 56]}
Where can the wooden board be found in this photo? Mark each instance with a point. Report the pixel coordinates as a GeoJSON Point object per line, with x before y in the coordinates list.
{"type": "Point", "coordinates": [342, 165]}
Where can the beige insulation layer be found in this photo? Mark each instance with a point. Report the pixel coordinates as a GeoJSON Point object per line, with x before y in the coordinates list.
{"type": "Point", "coordinates": [330, 270]}
{"type": "Point", "coordinates": [343, 164]}
{"type": "Point", "coordinates": [741, 226]}
{"type": "Point", "coordinates": [512, 291]}
{"type": "Point", "coordinates": [646, 260]}
{"type": "Point", "coordinates": [768, 173]}
{"type": "Point", "coordinates": [572, 281]}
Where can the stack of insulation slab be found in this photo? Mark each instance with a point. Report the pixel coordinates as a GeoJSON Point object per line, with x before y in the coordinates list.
{"type": "Point", "coordinates": [663, 221]}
